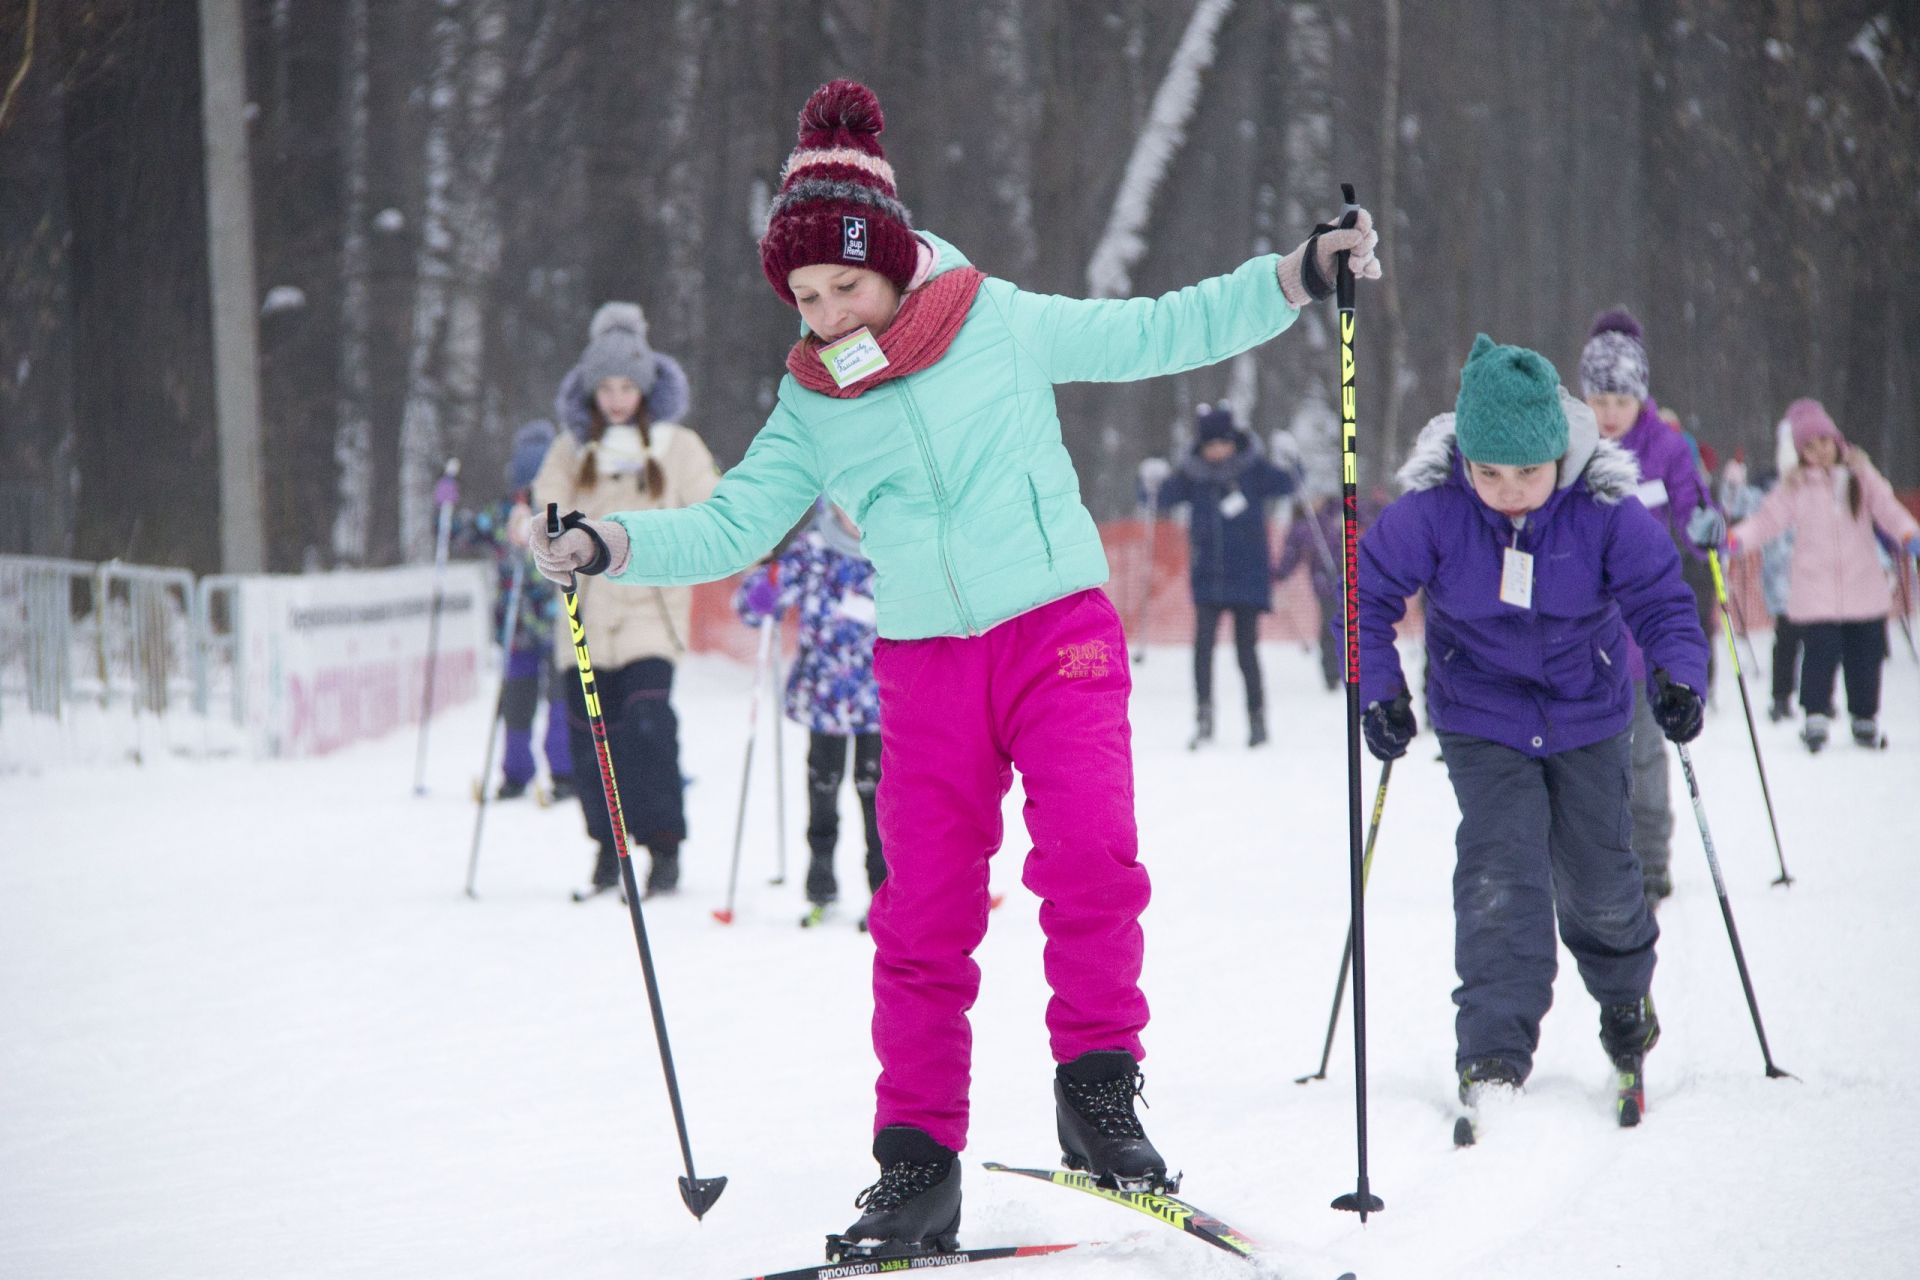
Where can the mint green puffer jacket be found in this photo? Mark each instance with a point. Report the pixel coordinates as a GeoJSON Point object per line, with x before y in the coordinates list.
{"type": "Point", "coordinates": [965, 496]}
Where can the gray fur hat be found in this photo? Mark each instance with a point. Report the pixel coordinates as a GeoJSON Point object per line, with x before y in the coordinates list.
{"type": "Point", "coordinates": [617, 347]}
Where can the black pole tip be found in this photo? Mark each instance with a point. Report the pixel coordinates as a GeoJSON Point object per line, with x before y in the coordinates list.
{"type": "Point", "coordinates": [1775, 1073]}
{"type": "Point", "coordinates": [1319, 1075]}
{"type": "Point", "coordinates": [1362, 1203]}
{"type": "Point", "coordinates": [1783, 881]}
{"type": "Point", "coordinates": [700, 1193]}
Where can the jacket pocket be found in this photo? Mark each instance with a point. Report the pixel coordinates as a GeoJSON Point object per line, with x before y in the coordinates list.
{"type": "Point", "coordinates": [1033, 492]}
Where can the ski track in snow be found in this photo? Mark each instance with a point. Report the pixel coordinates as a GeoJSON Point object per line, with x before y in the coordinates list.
{"type": "Point", "coordinates": [253, 1027]}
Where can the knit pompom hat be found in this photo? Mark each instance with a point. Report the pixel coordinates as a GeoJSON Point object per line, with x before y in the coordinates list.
{"type": "Point", "coordinates": [1508, 411]}
{"type": "Point", "coordinates": [1809, 420]}
{"type": "Point", "coordinates": [837, 201]}
{"type": "Point", "coordinates": [1615, 357]}
{"type": "Point", "coordinates": [1213, 422]}
{"type": "Point", "coordinates": [617, 348]}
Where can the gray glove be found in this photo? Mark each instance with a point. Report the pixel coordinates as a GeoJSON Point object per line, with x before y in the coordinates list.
{"type": "Point", "coordinates": [583, 546]}
{"type": "Point", "coordinates": [1303, 281]}
{"type": "Point", "coordinates": [1154, 473]}
{"type": "Point", "coordinates": [1707, 527]}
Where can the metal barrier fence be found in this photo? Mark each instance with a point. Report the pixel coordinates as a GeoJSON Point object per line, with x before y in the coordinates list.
{"type": "Point", "coordinates": [113, 636]}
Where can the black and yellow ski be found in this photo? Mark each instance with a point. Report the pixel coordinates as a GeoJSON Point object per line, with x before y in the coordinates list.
{"type": "Point", "coordinates": [1173, 1212]}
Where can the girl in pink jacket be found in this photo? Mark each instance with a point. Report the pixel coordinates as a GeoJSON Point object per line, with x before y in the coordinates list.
{"type": "Point", "coordinates": [1839, 592]}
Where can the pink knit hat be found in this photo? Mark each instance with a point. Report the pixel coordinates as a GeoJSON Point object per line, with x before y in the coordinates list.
{"type": "Point", "coordinates": [837, 201]}
{"type": "Point", "coordinates": [1809, 420]}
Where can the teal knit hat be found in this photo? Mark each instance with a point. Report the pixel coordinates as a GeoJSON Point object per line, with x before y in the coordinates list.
{"type": "Point", "coordinates": [1509, 409]}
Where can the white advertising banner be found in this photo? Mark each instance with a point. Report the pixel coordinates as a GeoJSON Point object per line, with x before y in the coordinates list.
{"type": "Point", "coordinates": [334, 658]}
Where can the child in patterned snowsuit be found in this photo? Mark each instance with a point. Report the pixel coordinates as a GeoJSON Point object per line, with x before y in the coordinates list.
{"type": "Point", "coordinates": [831, 689]}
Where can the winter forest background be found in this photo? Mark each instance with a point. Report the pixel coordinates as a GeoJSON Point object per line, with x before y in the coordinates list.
{"type": "Point", "coordinates": [444, 189]}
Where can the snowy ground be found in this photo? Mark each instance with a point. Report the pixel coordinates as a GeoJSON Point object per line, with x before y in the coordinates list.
{"type": "Point", "coordinates": [252, 1028]}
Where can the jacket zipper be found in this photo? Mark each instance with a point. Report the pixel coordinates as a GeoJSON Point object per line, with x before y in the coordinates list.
{"type": "Point", "coordinates": [925, 441]}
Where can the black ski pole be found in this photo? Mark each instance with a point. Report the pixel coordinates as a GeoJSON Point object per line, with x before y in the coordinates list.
{"type": "Point", "coordinates": [698, 1193]}
{"type": "Point", "coordinates": [1726, 912]}
{"type": "Point", "coordinates": [507, 630]}
{"type": "Point", "coordinates": [1346, 954]}
{"type": "Point", "coordinates": [1361, 1199]}
{"type": "Point", "coordinates": [1746, 705]}
{"type": "Point", "coordinates": [725, 914]}
{"type": "Point", "coordinates": [446, 492]}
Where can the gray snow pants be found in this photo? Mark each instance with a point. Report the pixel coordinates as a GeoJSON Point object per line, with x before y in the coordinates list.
{"type": "Point", "coordinates": [1652, 804]}
{"type": "Point", "coordinates": [1540, 836]}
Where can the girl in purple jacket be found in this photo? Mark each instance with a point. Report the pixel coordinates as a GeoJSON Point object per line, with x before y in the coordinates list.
{"type": "Point", "coordinates": [1520, 525]}
{"type": "Point", "coordinates": [1616, 381]}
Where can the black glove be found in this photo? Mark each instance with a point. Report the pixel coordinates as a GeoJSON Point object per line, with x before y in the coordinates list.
{"type": "Point", "coordinates": [1678, 710]}
{"type": "Point", "coordinates": [1389, 727]}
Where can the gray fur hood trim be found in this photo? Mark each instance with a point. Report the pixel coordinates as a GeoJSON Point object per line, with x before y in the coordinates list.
{"type": "Point", "coordinates": [1611, 472]}
{"type": "Point", "coordinates": [667, 399]}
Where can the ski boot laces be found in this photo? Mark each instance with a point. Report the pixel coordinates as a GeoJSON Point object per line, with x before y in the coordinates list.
{"type": "Point", "coordinates": [1108, 1104]}
{"type": "Point", "coordinates": [899, 1183]}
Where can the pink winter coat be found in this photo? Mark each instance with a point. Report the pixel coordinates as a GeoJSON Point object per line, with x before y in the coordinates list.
{"type": "Point", "coordinates": [1837, 575]}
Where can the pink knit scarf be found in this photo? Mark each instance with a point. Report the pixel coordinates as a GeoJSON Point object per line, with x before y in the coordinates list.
{"type": "Point", "coordinates": [920, 334]}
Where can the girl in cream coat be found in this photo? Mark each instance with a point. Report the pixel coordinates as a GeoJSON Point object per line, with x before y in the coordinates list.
{"type": "Point", "coordinates": [625, 449]}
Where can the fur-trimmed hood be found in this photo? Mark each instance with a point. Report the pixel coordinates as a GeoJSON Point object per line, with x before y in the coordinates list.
{"type": "Point", "coordinates": [1611, 473]}
{"type": "Point", "coordinates": [668, 399]}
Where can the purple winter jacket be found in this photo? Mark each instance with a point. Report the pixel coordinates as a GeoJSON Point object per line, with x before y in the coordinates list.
{"type": "Point", "coordinates": [1552, 677]}
{"type": "Point", "coordinates": [1670, 487]}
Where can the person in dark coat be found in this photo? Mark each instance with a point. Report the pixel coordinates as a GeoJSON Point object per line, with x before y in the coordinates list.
{"type": "Point", "coordinates": [1228, 483]}
{"type": "Point", "coordinates": [1538, 563]}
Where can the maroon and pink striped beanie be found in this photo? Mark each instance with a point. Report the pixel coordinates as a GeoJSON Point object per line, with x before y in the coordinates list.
{"type": "Point", "coordinates": [837, 201]}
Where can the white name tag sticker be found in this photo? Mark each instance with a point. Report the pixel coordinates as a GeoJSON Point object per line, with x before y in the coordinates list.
{"type": "Point", "coordinates": [1233, 504]}
{"type": "Point", "coordinates": [1516, 579]}
{"type": "Point", "coordinates": [856, 356]}
{"type": "Point", "coordinates": [855, 607]}
{"type": "Point", "coordinates": [1652, 493]}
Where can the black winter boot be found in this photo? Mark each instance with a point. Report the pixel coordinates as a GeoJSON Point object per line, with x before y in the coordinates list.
{"type": "Point", "coordinates": [822, 886]}
{"type": "Point", "coordinates": [915, 1206]}
{"type": "Point", "coordinates": [1099, 1132]}
{"type": "Point", "coordinates": [1256, 726]}
{"type": "Point", "coordinates": [1627, 1031]}
{"type": "Point", "coordinates": [1202, 725]}
{"type": "Point", "coordinates": [1481, 1075]}
{"type": "Point", "coordinates": [663, 876]}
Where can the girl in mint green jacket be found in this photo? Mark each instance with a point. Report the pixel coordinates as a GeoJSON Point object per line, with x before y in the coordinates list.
{"type": "Point", "coordinates": [920, 401]}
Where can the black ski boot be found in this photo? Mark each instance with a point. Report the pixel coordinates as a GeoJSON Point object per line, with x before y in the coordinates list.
{"type": "Point", "coordinates": [606, 876]}
{"type": "Point", "coordinates": [510, 790]}
{"type": "Point", "coordinates": [663, 875]}
{"type": "Point", "coordinates": [1627, 1031]}
{"type": "Point", "coordinates": [1482, 1080]}
{"type": "Point", "coordinates": [1099, 1132]}
{"type": "Point", "coordinates": [561, 788]}
{"type": "Point", "coordinates": [1202, 726]}
{"type": "Point", "coordinates": [913, 1209]}
{"type": "Point", "coordinates": [1782, 709]}
{"type": "Point", "coordinates": [1256, 726]}
{"type": "Point", "coordinates": [822, 886]}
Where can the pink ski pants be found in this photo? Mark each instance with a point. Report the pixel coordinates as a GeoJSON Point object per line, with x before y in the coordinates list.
{"type": "Point", "coordinates": [1045, 692]}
